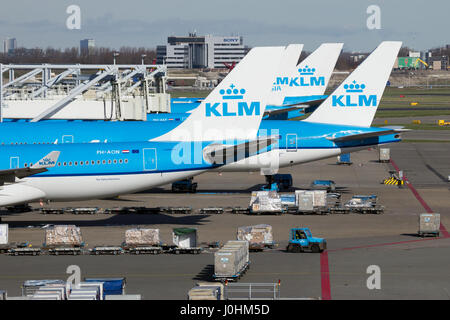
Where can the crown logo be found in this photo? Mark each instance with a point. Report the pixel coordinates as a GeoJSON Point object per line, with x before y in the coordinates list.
{"type": "Point", "coordinates": [232, 93]}
{"type": "Point", "coordinates": [307, 71]}
{"type": "Point", "coordinates": [354, 87]}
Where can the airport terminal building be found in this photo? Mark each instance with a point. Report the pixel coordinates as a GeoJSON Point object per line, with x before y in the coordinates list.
{"type": "Point", "coordinates": [194, 51]}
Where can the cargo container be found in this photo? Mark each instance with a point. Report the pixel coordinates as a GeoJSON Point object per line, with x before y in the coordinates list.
{"type": "Point", "coordinates": [344, 159]}
{"type": "Point", "coordinates": [185, 241]}
{"type": "Point", "coordinates": [207, 291]}
{"type": "Point", "coordinates": [111, 286]}
{"type": "Point", "coordinates": [29, 287]}
{"type": "Point", "coordinates": [311, 201]}
{"type": "Point", "coordinates": [384, 155]}
{"type": "Point", "coordinates": [231, 261]}
{"type": "Point", "coordinates": [124, 297]}
{"type": "Point", "coordinates": [4, 234]}
{"type": "Point", "coordinates": [429, 224]}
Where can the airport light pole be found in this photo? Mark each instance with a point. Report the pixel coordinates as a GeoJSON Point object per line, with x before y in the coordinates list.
{"type": "Point", "coordinates": [142, 58]}
{"type": "Point", "coordinates": [115, 54]}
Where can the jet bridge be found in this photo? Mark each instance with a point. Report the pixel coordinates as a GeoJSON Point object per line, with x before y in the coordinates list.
{"type": "Point", "coordinates": [81, 91]}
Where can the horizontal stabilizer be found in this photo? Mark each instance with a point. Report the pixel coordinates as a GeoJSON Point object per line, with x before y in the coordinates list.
{"type": "Point", "coordinates": [223, 154]}
{"type": "Point", "coordinates": [280, 110]}
{"type": "Point", "coordinates": [365, 135]}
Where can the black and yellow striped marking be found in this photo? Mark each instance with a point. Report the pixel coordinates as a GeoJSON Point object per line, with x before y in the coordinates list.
{"type": "Point", "coordinates": [393, 181]}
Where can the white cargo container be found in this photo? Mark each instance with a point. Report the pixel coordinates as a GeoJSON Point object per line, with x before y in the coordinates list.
{"type": "Point", "coordinates": [185, 238]}
{"type": "Point", "coordinates": [97, 286]}
{"type": "Point", "coordinates": [429, 224]}
{"type": "Point", "coordinates": [231, 261]}
{"type": "Point", "coordinates": [123, 297]}
{"type": "Point", "coordinates": [3, 234]}
{"type": "Point", "coordinates": [310, 200]}
{"type": "Point", "coordinates": [384, 154]}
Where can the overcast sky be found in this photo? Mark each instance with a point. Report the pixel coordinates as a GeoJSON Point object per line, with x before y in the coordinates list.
{"type": "Point", "coordinates": [147, 23]}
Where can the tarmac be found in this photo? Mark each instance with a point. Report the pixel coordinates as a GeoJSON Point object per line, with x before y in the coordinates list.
{"type": "Point", "coordinates": [411, 267]}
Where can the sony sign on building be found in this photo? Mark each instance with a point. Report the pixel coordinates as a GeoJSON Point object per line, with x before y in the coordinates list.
{"type": "Point", "coordinates": [195, 51]}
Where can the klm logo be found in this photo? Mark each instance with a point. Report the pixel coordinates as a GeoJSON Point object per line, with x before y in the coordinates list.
{"type": "Point", "coordinates": [46, 162]}
{"type": "Point", "coordinates": [355, 97]}
{"type": "Point", "coordinates": [224, 109]}
{"type": "Point", "coordinates": [306, 78]}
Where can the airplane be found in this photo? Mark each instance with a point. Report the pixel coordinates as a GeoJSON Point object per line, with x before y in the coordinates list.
{"type": "Point", "coordinates": [341, 124]}
{"type": "Point", "coordinates": [81, 171]}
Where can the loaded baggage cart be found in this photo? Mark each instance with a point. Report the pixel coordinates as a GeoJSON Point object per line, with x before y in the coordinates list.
{"type": "Point", "coordinates": [429, 224]}
{"type": "Point", "coordinates": [364, 205]}
{"type": "Point", "coordinates": [142, 241]}
{"type": "Point", "coordinates": [185, 241]}
{"type": "Point", "coordinates": [266, 202]}
{"type": "Point", "coordinates": [258, 236]}
{"type": "Point", "coordinates": [63, 240]}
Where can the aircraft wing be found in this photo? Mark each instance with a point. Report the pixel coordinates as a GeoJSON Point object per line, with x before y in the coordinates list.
{"type": "Point", "coordinates": [366, 135]}
{"type": "Point", "coordinates": [10, 175]}
{"type": "Point", "coordinates": [222, 154]}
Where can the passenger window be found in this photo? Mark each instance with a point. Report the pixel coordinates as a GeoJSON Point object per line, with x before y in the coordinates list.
{"type": "Point", "coordinates": [70, 163]}
{"type": "Point", "coordinates": [104, 161]}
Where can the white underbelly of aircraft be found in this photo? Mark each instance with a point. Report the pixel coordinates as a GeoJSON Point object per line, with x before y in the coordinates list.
{"type": "Point", "coordinates": [70, 188]}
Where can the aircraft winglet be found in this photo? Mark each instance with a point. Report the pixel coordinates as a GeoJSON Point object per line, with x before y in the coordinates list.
{"type": "Point", "coordinates": [47, 161]}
